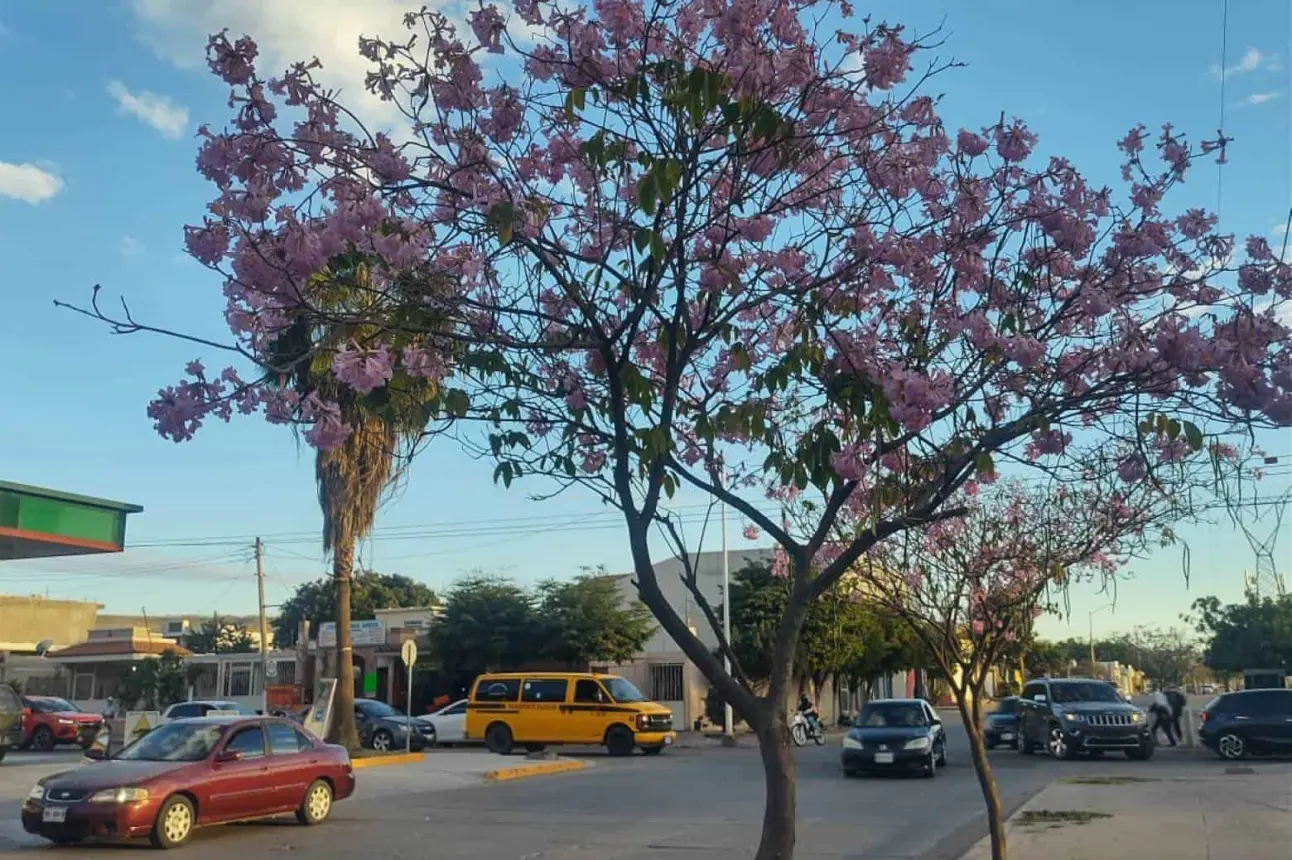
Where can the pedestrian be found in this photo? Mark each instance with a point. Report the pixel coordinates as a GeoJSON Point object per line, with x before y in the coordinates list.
{"type": "Point", "coordinates": [1160, 709]}
{"type": "Point", "coordinates": [1175, 699]}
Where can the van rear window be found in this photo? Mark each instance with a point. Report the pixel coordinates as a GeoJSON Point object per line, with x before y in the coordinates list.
{"type": "Point", "coordinates": [497, 690]}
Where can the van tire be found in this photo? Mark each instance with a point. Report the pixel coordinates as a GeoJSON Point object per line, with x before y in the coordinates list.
{"type": "Point", "coordinates": [498, 739]}
{"type": "Point", "coordinates": [619, 742]}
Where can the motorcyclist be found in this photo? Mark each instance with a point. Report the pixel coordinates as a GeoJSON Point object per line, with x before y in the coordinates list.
{"type": "Point", "coordinates": [808, 709]}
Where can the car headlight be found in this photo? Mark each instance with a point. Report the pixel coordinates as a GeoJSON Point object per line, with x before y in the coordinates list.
{"type": "Point", "coordinates": [1075, 718]}
{"type": "Point", "coordinates": [917, 743]}
{"type": "Point", "coordinates": [37, 792]}
{"type": "Point", "coordinates": [1137, 717]}
{"type": "Point", "coordinates": [851, 743]}
{"type": "Point", "coordinates": [62, 721]}
{"type": "Point", "coordinates": [125, 794]}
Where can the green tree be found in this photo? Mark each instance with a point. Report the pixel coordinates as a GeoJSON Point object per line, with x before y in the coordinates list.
{"type": "Point", "coordinates": [586, 620]}
{"type": "Point", "coordinates": [1254, 634]}
{"type": "Point", "coordinates": [151, 685]}
{"type": "Point", "coordinates": [219, 635]}
{"type": "Point", "coordinates": [1042, 657]}
{"type": "Point", "coordinates": [1166, 657]}
{"type": "Point", "coordinates": [369, 591]}
{"type": "Point", "coordinates": [488, 624]}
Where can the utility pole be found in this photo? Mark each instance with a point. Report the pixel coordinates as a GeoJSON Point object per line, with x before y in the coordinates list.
{"type": "Point", "coordinates": [728, 731]}
{"type": "Point", "coordinates": [264, 627]}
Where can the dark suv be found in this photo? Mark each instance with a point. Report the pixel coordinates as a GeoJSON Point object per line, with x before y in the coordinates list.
{"type": "Point", "coordinates": [1069, 716]}
{"type": "Point", "coordinates": [1252, 722]}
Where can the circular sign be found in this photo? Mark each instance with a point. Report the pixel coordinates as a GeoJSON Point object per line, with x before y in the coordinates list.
{"type": "Point", "coordinates": [408, 652]}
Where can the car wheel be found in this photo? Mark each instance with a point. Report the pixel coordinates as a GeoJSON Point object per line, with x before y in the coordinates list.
{"type": "Point", "coordinates": [42, 739]}
{"type": "Point", "coordinates": [931, 767]}
{"type": "Point", "coordinates": [619, 742]}
{"type": "Point", "coordinates": [1058, 744]}
{"type": "Point", "coordinates": [174, 823]}
{"type": "Point", "coordinates": [989, 743]}
{"type": "Point", "coordinates": [498, 739]}
{"type": "Point", "coordinates": [3, 750]}
{"type": "Point", "coordinates": [655, 750]}
{"type": "Point", "coordinates": [1232, 746]}
{"type": "Point", "coordinates": [317, 805]}
{"type": "Point", "coordinates": [942, 754]}
{"type": "Point", "coordinates": [382, 740]}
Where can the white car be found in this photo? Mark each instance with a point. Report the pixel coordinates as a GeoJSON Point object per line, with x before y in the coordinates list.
{"type": "Point", "coordinates": [200, 708]}
{"type": "Point", "coordinates": [449, 722]}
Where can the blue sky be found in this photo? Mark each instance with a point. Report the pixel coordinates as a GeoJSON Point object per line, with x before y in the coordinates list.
{"type": "Point", "coordinates": [97, 179]}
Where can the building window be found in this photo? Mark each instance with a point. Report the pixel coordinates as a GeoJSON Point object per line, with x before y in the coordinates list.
{"type": "Point", "coordinates": [83, 686]}
{"type": "Point", "coordinates": [237, 679]}
{"type": "Point", "coordinates": [666, 682]}
{"type": "Point", "coordinates": [286, 672]}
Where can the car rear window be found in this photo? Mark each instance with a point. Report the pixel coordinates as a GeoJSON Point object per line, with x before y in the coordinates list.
{"type": "Point", "coordinates": [497, 689]}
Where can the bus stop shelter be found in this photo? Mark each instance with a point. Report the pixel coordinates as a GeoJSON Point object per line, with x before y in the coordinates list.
{"type": "Point", "coordinates": [40, 523]}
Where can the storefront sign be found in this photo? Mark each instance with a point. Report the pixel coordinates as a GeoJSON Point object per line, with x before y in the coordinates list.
{"type": "Point", "coordinates": [370, 631]}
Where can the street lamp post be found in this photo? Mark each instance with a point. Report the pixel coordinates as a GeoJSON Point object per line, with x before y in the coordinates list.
{"type": "Point", "coordinates": [1090, 618]}
{"type": "Point", "coordinates": [728, 729]}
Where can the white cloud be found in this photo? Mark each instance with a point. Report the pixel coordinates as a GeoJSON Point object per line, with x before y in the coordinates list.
{"type": "Point", "coordinates": [1279, 229]}
{"type": "Point", "coordinates": [155, 110]}
{"type": "Point", "coordinates": [131, 247]}
{"type": "Point", "coordinates": [28, 182]}
{"type": "Point", "coordinates": [1259, 98]}
{"type": "Point", "coordinates": [1252, 60]}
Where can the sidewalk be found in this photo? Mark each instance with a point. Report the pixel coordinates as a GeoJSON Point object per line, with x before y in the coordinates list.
{"type": "Point", "coordinates": [1215, 814]}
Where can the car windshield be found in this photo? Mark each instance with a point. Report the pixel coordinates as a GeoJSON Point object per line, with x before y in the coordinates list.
{"type": "Point", "coordinates": [623, 691]}
{"type": "Point", "coordinates": [174, 742]}
{"type": "Point", "coordinates": [56, 706]}
{"type": "Point", "coordinates": [888, 714]}
{"type": "Point", "coordinates": [1090, 691]}
{"type": "Point", "coordinates": [374, 708]}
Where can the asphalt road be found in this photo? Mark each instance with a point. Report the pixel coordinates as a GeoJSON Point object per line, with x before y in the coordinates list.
{"type": "Point", "coordinates": [702, 803]}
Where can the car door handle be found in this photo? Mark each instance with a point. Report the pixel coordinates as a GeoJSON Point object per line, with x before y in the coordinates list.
{"type": "Point", "coordinates": [1241, 717]}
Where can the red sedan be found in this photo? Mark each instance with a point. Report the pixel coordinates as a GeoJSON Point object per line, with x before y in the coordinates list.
{"type": "Point", "coordinates": [51, 721]}
{"type": "Point", "coordinates": [193, 773]}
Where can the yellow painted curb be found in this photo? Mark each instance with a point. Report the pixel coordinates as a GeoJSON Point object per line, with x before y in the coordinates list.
{"type": "Point", "coordinates": [526, 771]}
{"type": "Point", "coordinates": [386, 760]}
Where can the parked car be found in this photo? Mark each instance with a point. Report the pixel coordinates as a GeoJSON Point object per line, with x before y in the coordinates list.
{"type": "Point", "coordinates": [448, 724]}
{"type": "Point", "coordinates": [51, 721]}
{"type": "Point", "coordinates": [191, 773]}
{"type": "Point", "coordinates": [1248, 722]}
{"type": "Point", "coordinates": [895, 734]}
{"type": "Point", "coordinates": [384, 728]}
{"type": "Point", "coordinates": [1070, 716]}
{"type": "Point", "coordinates": [201, 708]}
{"type": "Point", "coordinates": [1001, 726]}
{"type": "Point", "coordinates": [11, 719]}
{"type": "Point", "coordinates": [566, 708]}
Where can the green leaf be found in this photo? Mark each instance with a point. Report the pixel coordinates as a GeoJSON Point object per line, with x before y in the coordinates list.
{"type": "Point", "coordinates": [642, 239]}
{"type": "Point", "coordinates": [986, 466]}
{"type": "Point", "coordinates": [1193, 435]}
{"type": "Point", "coordinates": [575, 101]}
{"type": "Point", "coordinates": [647, 193]}
{"type": "Point", "coordinates": [1172, 429]}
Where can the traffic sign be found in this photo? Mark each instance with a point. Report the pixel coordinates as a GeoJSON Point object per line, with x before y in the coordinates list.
{"type": "Point", "coordinates": [408, 652]}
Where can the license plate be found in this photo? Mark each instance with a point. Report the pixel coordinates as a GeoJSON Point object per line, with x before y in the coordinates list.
{"type": "Point", "coordinates": [668, 741]}
{"type": "Point", "coordinates": [55, 814]}
{"type": "Point", "coordinates": [1006, 736]}
{"type": "Point", "coordinates": [883, 758]}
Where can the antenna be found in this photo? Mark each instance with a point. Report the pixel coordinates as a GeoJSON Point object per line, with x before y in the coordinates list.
{"type": "Point", "coordinates": [42, 646]}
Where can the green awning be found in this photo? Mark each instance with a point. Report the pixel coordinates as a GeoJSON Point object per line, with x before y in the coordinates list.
{"type": "Point", "coordinates": [39, 523]}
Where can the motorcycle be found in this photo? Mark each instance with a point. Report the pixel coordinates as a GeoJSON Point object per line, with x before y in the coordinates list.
{"type": "Point", "coordinates": [801, 729]}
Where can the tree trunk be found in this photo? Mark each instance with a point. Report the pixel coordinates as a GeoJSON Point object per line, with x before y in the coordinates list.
{"type": "Point", "coordinates": [777, 839]}
{"type": "Point", "coordinates": [971, 713]}
{"type": "Point", "coordinates": [343, 728]}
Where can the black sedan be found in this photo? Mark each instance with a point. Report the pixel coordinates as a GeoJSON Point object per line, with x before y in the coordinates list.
{"type": "Point", "coordinates": [895, 735]}
{"type": "Point", "coordinates": [385, 729]}
{"type": "Point", "coordinates": [1001, 726]}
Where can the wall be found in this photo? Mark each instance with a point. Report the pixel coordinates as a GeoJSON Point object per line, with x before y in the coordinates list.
{"type": "Point", "coordinates": [25, 621]}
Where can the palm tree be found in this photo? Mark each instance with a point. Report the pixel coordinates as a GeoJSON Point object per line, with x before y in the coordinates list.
{"type": "Point", "coordinates": [353, 477]}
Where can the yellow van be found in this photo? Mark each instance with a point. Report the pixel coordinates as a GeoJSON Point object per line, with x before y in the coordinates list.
{"type": "Point", "coordinates": [539, 709]}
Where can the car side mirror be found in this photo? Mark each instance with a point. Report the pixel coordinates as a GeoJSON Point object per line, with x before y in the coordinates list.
{"type": "Point", "coordinates": [228, 756]}
{"type": "Point", "coordinates": [95, 754]}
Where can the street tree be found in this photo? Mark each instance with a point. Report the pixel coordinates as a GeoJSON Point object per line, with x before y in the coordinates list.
{"type": "Point", "coordinates": [970, 587]}
{"type": "Point", "coordinates": [488, 623]}
{"type": "Point", "coordinates": [586, 620]}
{"type": "Point", "coordinates": [315, 601]}
{"type": "Point", "coordinates": [1043, 658]}
{"type": "Point", "coordinates": [728, 248]}
{"type": "Point", "coordinates": [219, 635]}
{"type": "Point", "coordinates": [1165, 656]}
{"type": "Point", "coordinates": [151, 685]}
{"type": "Point", "coordinates": [1255, 633]}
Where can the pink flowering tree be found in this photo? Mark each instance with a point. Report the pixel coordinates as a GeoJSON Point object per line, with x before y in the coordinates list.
{"type": "Point", "coordinates": [727, 248]}
{"type": "Point", "coordinates": [971, 587]}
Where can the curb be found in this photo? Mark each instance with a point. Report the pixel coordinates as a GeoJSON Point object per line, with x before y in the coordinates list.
{"type": "Point", "coordinates": [508, 774]}
{"type": "Point", "coordinates": [386, 760]}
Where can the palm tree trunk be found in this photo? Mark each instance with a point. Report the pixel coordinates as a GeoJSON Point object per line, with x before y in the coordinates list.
{"type": "Point", "coordinates": [343, 728]}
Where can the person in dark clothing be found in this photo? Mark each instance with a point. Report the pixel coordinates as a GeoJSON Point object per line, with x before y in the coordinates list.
{"type": "Point", "coordinates": [1159, 709]}
{"type": "Point", "coordinates": [1176, 701]}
